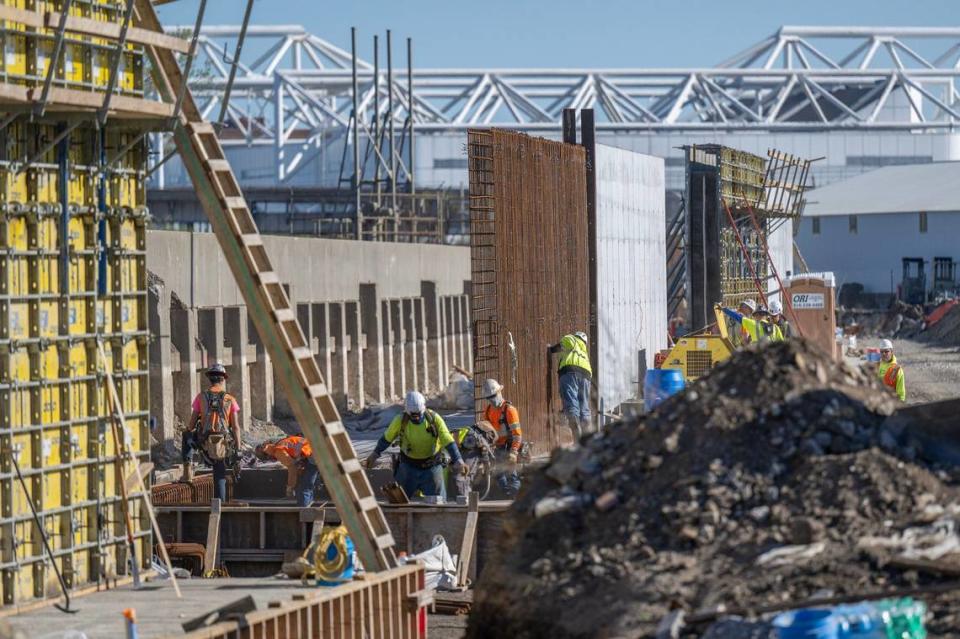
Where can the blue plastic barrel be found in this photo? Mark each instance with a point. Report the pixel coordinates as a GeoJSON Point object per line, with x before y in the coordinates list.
{"type": "Point", "coordinates": [661, 383]}
{"type": "Point", "coordinates": [808, 623]}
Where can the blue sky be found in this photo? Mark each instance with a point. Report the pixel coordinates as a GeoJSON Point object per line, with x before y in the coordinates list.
{"type": "Point", "coordinates": [567, 33]}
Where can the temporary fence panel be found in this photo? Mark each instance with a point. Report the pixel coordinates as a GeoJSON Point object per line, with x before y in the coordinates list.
{"type": "Point", "coordinates": [529, 257]}
{"type": "Point", "coordinates": [72, 272]}
{"type": "Point", "coordinates": [631, 270]}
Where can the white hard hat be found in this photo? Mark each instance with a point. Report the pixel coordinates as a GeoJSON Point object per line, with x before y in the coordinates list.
{"type": "Point", "coordinates": [491, 387]}
{"type": "Point", "coordinates": [775, 308]}
{"type": "Point", "coordinates": [582, 336]}
{"type": "Point", "coordinates": [886, 345]}
{"type": "Point", "coordinates": [414, 403]}
{"type": "Point", "coordinates": [749, 303]}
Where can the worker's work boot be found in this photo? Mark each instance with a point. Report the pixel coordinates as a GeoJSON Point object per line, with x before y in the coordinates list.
{"type": "Point", "coordinates": [187, 476]}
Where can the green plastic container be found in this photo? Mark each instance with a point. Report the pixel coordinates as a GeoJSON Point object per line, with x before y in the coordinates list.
{"type": "Point", "coordinates": [904, 618]}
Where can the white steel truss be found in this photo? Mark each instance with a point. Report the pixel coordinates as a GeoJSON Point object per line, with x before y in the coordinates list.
{"type": "Point", "coordinates": [293, 89]}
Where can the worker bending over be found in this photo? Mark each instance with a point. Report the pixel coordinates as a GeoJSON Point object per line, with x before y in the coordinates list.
{"type": "Point", "coordinates": [214, 419]}
{"type": "Point", "coordinates": [777, 318]}
{"type": "Point", "coordinates": [890, 372]}
{"type": "Point", "coordinates": [296, 455]}
{"type": "Point", "coordinates": [506, 419]}
{"type": "Point", "coordinates": [575, 372]}
{"type": "Point", "coordinates": [758, 328]}
{"type": "Point", "coordinates": [423, 436]}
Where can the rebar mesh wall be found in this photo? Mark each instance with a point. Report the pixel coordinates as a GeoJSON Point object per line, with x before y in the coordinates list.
{"type": "Point", "coordinates": [529, 254]}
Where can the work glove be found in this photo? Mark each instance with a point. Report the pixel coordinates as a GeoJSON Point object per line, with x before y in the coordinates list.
{"type": "Point", "coordinates": [512, 457]}
{"type": "Point", "coordinates": [461, 469]}
{"type": "Point", "coordinates": [371, 461]}
{"type": "Point", "coordinates": [291, 491]}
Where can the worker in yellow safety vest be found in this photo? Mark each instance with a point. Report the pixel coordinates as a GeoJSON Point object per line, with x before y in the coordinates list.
{"type": "Point", "coordinates": [758, 328]}
{"type": "Point", "coordinates": [575, 373]}
{"type": "Point", "coordinates": [890, 372]}
{"type": "Point", "coordinates": [423, 436]}
{"type": "Point", "coordinates": [741, 337]}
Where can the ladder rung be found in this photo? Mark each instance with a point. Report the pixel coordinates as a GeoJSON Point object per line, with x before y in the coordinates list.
{"type": "Point", "coordinates": [318, 390]}
{"type": "Point", "coordinates": [334, 428]}
{"type": "Point", "coordinates": [268, 277]}
{"type": "Point", "coordinates": [384, 541]}
{"type": "Point", "coordinates": [367, 503]}
{"type": "Point", "coordinates": [238, 202]}
{"type": "Point", "coordinates": [283, 314]}
{"type": "Point", "coordinates": [351, 465]}
{"type": "Point", "coordinates": [219, 165]}
{"type": "Point", "coordinates": [201, 127]}
{"type": "Point", "coordinates": [252, 239]}
{"type": "Point", "coordinates": [302, 352]}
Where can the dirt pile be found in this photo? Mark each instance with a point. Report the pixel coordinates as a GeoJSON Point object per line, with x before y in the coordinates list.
{"type": "Point", "coordinates": [898, 320]}
{"type": "Point", "coordinates": [946, 330]}
{"type": "Point", "coordinates": [752, 487]}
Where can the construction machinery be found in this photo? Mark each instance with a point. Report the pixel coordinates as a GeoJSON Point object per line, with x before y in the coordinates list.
{"type": "Point", "coordinates": [944, 277]}
{"type": "Point", "coordinates": [695, 354]}
{"type": "Point", "coordinates": [913, 286]}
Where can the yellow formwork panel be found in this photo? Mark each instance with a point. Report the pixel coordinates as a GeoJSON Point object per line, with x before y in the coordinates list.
{"type": "Point", "coordinates": [15, 402]}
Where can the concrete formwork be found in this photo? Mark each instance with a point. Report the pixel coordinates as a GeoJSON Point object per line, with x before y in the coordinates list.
{"type": "Point", "coordinates": [381, 318]}
{"type": "Point", "coordinates": [631, 270]}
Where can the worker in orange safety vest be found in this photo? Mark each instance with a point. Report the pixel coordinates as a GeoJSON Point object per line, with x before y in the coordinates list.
{"type": "Point", "coordinates": [890, 372]}
{"type": "Point", "coordinates": [295, 453]}
{"type": "Point", "coordinates": [506, 419]}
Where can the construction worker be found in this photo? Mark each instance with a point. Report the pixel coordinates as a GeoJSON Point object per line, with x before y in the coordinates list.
{"type": "Point", "coordinates": [423, 435]}
{"type": "Point", "coordinates": [758, 328]}
{"type": "Point", "coordinates": [506, 419]}
{"type": "Point", "coordinates": [777, 317]}
{"type": "Point", "coordinates": [575, 372]}
{"type": "Point", "coordinates": [214, 418]}
{"type": "Point", "coordinates": [295, 453]}
{"type": "Point", "coordinates": [890, 372]}
{"type": "Point", "coordinates": [741, 337]}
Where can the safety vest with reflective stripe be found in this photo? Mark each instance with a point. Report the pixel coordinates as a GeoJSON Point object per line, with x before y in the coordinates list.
{"type": "Point", "coordinates": [295, 446]}
{"type": "Point", "coordinates": [891, 375]}
{"type": "Point", "coordinates": [574, 353]}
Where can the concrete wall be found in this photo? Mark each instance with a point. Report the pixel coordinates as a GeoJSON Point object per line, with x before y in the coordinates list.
{"type": "Point", "coordinates": [382, 319]}
{"type": "Point", "coordinates": [872, 255]}
{"type": "Point", "coordinates": [631, 270]}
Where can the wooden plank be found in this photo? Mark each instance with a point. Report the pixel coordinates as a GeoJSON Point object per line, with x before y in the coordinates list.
{"type": "Point", "coordinates": [469, 538]}
{"type": "Point", "coordinates": [122, 106]}
{"type": "Point", "coordinates": [213, 539]}
{"type": "Point", "coordinates": [28, 18]}
{"type": "Point", "coordinates": [111, 30]}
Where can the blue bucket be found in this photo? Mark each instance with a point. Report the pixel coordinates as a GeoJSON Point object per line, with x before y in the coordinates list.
{"type": "Point", "coordinates": [661, 383]}
{"type": "Point", "coordinates": [808, 623]}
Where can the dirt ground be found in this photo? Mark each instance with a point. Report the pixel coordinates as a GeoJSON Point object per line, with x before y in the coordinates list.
{"type": "Point", "coordinates": [931, 372]}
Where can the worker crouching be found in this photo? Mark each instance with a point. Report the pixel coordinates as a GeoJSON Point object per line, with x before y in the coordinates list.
{"type": "Point", "coordinates": [506, 419]}
{"type": "Point", "coordinates": [296, 455]}
{"type": "Point", "coordinates": [423, 436]}
{"type": "Point", "coordinates": [215, 418]}
{"type": "Point", "coordinates": [890, 372]}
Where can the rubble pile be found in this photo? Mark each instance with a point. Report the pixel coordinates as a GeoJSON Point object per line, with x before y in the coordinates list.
{"type": "Point", "coordinates": [947, 330]}
{"type": "Point", "coordinates": [898, 320]}
{"type": "Point", "coordinates": [754, 486]}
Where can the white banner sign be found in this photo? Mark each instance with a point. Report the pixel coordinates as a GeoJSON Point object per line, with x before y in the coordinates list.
{"type": "Point", "coordinates": [806, 300]}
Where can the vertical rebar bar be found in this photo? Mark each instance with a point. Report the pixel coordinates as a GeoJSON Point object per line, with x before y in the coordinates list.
{"type": "Point", "coordinates": [411, 110]}
{"type": "Point", "coordinates": [235, 62]}
{"type": "Point", "coordinates": [356, 136]}
{"type": "Point", "coordinates": [376, 117]}
{"type": "Point", "coordinates": [393, 152]}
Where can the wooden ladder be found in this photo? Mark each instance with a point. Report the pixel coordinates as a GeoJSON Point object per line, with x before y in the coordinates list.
{"type": "Point", "coordinates": [272, 313]}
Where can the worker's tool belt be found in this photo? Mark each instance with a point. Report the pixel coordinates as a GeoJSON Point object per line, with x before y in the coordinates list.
{"type": "Point", "coordinates": [571, 368]}
{"type": "Point", "coordinates": [215, 446]}
{"type": "Point", "coordinates": [422, 464]}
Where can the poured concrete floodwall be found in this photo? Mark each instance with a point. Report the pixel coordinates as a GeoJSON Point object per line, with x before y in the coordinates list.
{"type": "Point", "coordinates": [631, 270]}
{"type": "Point", "coordinates": [382, 318]}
